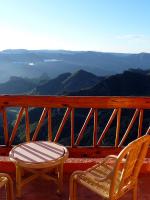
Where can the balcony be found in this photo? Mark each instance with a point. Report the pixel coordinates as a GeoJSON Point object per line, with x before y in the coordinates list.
{"type": "Point", "coordinates": [90, 127]}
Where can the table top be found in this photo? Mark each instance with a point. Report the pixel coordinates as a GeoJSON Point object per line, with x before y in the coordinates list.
{"type": "Point", "coordinates": [37, 152]}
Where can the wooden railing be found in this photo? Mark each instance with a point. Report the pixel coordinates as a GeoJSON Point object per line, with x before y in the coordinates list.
{"type": "Point", "coordinates": [139, 105]}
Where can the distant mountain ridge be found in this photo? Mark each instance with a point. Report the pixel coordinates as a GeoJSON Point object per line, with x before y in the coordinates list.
{"type": "Point", "coordinates": [17, 85]}
{"type": "Point", "coordinates": [129, 83]}
{"type": "Point", "coordinates": [133, 82]}
{"type": "Point", "coordinates": [60, 85]}
{"type": "Point", "coordinates": [33, 63]}
{"type": "Point", "coordinates": [52, 87]}
{"type": "Point", "coordinates": [68, 82]}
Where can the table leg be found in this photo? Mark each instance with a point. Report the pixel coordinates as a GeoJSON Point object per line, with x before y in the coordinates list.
{"type": "Point", "coordinates": [18, 181]}
{"type": "Point", "coordinates": [60, 179]}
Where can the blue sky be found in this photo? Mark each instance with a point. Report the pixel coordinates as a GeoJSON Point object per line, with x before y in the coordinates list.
{"type": "Point", "coordinates": [99, 25]}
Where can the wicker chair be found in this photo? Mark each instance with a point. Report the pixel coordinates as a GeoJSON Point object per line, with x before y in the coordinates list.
{"type": "Point", "coordinates": [6, 181]}
{"type": "Point", "coordinates": [115, 175]}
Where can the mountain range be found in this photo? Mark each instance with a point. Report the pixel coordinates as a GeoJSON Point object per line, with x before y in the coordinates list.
{"type": "Point", "coordinates": [17, 85]}
{"type": "Point", "coordinates": [133, 82]}
{"type": "Point", "coordinates": [60, 85]}
{"type": "Point", "coordinates": [68, 82]}
{"type": "Point", "coordinates": [33, 63]}
{"type": "Point", "coordinates": [128, 83]}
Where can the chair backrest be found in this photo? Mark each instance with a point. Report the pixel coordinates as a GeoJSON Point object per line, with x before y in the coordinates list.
{"type": "Point", "coordinates": [128, 166]}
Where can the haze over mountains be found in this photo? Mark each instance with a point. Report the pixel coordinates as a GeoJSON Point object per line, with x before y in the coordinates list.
{"type": "Point", "coordinates": [33, 63]}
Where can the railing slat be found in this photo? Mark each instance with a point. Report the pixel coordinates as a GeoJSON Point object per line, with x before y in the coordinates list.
{"type": "Point", "coordinates": [129, 127]}
{"type": "Point", "coordinates": [107, 126]}
{"type": "Point", "coordinates": [80, 135]}
{"type": "Point", "coordinates": [66, 115]}
{"type": "Point", "coordinates": [148, 131]}
{"type": "Point", "coordinates": [43, 115]}
{"type": "Point", "coordinates": [16, 126]}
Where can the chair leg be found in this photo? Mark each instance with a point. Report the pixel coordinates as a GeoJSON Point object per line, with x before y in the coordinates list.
{"type": "Point", "coordinates": [73, 188]}
{"type": "Point", "coordinates": [18, 181]}
{"type": "Point", "coordinates": [8, 183]}
{"type": "Point", "coordinates": [60, 179]}
{"type": "Point", "coordinates": [135, 192]}
{"type": "Point", "coordinates": [10, 193]}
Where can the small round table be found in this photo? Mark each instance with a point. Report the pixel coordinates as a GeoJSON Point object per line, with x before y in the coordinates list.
{"type": "Point", "coordinates": [39, 158]}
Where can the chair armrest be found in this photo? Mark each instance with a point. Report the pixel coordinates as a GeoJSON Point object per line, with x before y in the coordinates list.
{"type": "Point", "coordinates": [6, 177]}
{"type": "Point", "coordinates": [3, 181]}
{"type": "Point", "coordinates": [110, 157]}
{"type": "Point", "coordinates": [6, 180]}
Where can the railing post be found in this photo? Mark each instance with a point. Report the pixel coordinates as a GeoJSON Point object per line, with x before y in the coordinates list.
{"type": "Point", "coordinates": [27, 124]}
{"type": "Point", "coordinates": [140, 123]}
{"type": "Point", "coordinates": [49, 122]}
{"type": "Point", "coordinates": [72, 127]}
{"type": "Point", "coordinates": [5, 126]}
{"type": "Point", "coordinates": [95, 127]}
{"type": "Point", "coordinates": [118, 127]}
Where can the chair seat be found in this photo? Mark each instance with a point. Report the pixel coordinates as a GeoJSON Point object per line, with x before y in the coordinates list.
{"type": "Point", "coordinates": [90, 179]}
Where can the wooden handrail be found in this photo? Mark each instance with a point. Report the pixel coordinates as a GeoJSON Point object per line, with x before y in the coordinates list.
{"type": "Point", "coordinates": [75, 102]}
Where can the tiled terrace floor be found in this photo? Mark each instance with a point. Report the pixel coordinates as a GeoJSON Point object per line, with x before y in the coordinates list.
{"type": "Point", "coordinates": [44, 190]}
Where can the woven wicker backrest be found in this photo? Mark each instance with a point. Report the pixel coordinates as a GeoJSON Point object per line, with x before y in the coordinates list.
{"type": "Point", "coordinates": [128, 165]}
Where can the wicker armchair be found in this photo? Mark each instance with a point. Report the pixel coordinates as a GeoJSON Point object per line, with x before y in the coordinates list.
{"type": "Point", "coordinates": [6, 181]}
{"type": "Point", "coordinates": [115, 175]}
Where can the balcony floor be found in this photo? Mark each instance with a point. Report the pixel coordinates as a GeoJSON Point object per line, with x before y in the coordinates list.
{"type": "Point", "coordinates": [45, 190]}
